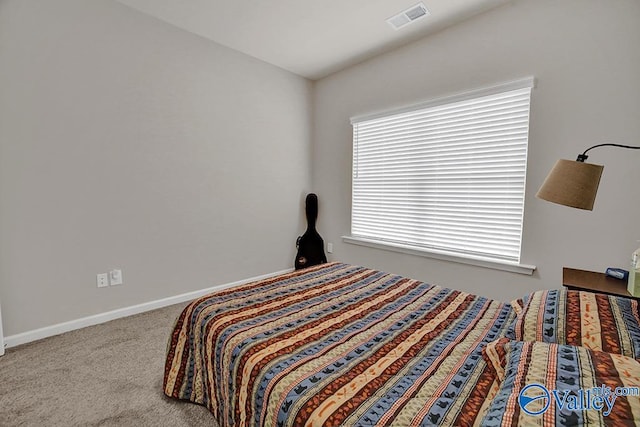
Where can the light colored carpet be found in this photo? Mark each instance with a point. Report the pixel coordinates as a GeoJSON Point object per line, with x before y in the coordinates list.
{"type": "Point", "coordinates": [104, 375]}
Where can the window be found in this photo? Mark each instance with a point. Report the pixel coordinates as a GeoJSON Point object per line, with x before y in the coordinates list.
{"type": "Point", "coordinates": [445, 177]}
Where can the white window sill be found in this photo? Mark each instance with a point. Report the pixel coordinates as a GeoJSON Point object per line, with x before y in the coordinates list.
{"type": "Point", "coordinates": [477, 261]}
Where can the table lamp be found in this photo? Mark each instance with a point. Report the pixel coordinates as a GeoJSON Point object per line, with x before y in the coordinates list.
{"type": "Point", "coordinates": [574, 183]}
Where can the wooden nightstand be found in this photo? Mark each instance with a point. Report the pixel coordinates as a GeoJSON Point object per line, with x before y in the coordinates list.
{"type": "Point", "coordinates": [582, 280]}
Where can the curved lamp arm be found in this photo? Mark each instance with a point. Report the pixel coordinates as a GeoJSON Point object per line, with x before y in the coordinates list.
{"type": "Point", "coordinates": [582, 157]}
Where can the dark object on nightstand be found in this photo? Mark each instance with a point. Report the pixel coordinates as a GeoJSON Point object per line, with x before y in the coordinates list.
{"type": "Point", "coordinates": [617, 273]}
{"type": "Point", "coordinates": [582, 280]}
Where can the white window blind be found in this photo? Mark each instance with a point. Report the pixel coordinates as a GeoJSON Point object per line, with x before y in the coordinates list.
{"type": "Point", "coordinates": [446, 176]}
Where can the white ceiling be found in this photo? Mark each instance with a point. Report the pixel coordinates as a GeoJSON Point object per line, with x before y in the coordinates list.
{"type": "Point", "coordinates": [309, 38]}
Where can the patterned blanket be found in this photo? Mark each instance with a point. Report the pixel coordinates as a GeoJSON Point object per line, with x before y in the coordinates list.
{"type": "Point", "coordinates": [336, 345]}
{"type": "Point", "coordinates": [548, 384]}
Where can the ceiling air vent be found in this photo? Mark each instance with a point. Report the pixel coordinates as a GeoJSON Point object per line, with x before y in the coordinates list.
{"type": "Point", "coordinates": [408, 16]}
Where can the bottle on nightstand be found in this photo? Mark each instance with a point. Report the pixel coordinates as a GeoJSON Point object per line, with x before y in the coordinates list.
{"type": "Point", "coordinates": [633, 285]}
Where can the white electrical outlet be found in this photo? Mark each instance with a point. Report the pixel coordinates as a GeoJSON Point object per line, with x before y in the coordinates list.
{"type": "Point", "coordinates": [330, 248]}
{"type": "Point", "coordinates": [103, 280]}
{"type": "Point", "coordinates": [115, 277]}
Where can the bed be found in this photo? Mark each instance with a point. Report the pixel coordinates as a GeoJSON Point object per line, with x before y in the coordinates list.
{"type": "Point", "coordinates": [339, 344]}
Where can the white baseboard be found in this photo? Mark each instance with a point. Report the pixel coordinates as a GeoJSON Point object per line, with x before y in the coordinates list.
{"type": "Point", "coordinates": [49, 331]}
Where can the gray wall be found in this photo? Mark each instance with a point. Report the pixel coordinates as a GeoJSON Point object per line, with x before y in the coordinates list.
{"type": "Point", "coordinates": [125, 142]}
{"type": "Point", "coordinates": [585, 57]}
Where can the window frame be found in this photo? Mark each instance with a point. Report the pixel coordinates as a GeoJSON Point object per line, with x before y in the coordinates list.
{"type": "Point", "coordinates": [465, 258]}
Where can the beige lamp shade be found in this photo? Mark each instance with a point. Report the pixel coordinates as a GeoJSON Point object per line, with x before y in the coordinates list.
{"type": "Point", "coordinates": [572, 183]}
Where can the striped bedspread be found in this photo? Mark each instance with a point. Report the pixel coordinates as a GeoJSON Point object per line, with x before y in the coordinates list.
{"type": "Point", "coordinates": [336, 345]}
